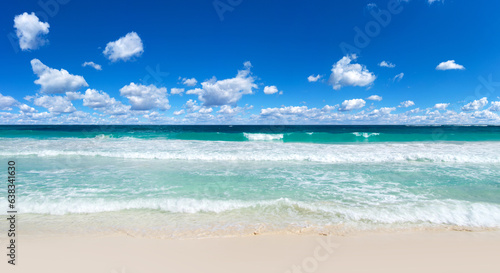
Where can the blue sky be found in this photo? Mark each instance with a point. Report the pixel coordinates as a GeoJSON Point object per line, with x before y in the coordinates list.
{"type": "Point", "coordinates": [250, 62]}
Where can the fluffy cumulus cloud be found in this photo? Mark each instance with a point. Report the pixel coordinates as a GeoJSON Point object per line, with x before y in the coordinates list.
{"type": "Point", "coordinates": [495, 106]}
{"type": "Point", "coordinates": [449, 65]}
{"type": "Point", "coordinates": [179, 112]}
{"type": "Point", "coordinates": [386, 64]}
{"type": "Point", "coordinates": [176, 91]}
{"type": "Point", "coordinates": [475, 105]}
{"type": "Point", "coordinates": [193, 113]}
{"type": "Point", "coordinates": [384, 115]}
{"type": "Point", "coordinates": [345, 73]}
{"type": "Point", "coordinates": [228, 110]}
{"type": "Point", "coordinates": [441, 106]}
{"type": "Point", "coordinates": [289, 110]}
{"type": "Point", "coordinates": [268, 90]}
{"type": "Point", "coordinates": [226, 92]}
{"type": "Point", "coordinates": [353, 104]}
{"type": "Point", "coordinates": [398, 77]}
{"type": "Point", "coordinates": [206, 110]}
{"type": "Point", "coordinates": [93, 65]}
{"type": "Point", "coordinates": [313, 78]}
{"type": "Point", "coordinates": [6, 102]}
{"type": "Point", "coordinates": [26, 108]}
{"type": "Point", "coordinates": [192, 106]}
{"type": "Point", "coordinates": [406, 104]}
{"type": "Point", "coordinates": [297, 114]}
{"type": "Point", "coordinates": [189, 82]}
{"type": "Point", "coordinates": [145, 97]}
{"type": "Point", "coordinates": [30, 31]}
{"type": "Point", "coordinates": [293, 112]}
{"type": "Point", "coordinates": [125, 48]}
{"type": "Point", "coordinates": [53, 81]}
{"type": "Point", "coordinates": [382, 111]}
{"type": "Point", "coordinates": [374, 97]}
{"type": "Point", "coordinates": [55, 104]}
{"type": "Point", "coordinates": [101, 101]}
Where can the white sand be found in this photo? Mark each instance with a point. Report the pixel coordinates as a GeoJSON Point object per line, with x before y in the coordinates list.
{"type": "Point", "coordinates": [450, 251]}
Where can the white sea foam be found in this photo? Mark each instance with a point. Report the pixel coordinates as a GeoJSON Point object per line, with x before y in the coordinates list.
{"type": "Point", "coordinates": [263, 137]}
{"type": "Point", "coordinates": [469, 152]}
{"type": "Point", "coordinates": [365, 135]}
{"type": "Point", "coordinates": [103, 136]}
{"type": "Point", "coordinates": [449, 212]}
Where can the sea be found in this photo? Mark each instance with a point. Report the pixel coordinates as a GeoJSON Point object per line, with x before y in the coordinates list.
{"type": "Point", "coordinates": [177, 181]}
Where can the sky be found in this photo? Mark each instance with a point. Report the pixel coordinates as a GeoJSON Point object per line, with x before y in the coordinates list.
{"type": "Point", "coordinates": [250, 62]}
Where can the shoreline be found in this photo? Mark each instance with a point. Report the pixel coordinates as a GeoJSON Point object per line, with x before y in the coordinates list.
{"type": "Point", "coordinates": [412, 251]}
{"type": "Point", "coordinates": [137, 224]}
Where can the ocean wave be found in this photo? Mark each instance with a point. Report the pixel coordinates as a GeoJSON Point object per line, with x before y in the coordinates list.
{"type": "Point", "coordinates": [365, 135]}
{"type": "Point", "coordinates": [263, 137]}
{"type": "Point", "coordinates": [103, 136]}
{"type": "Point", "coordinates": [447, 212]}
{"type": "Point", "coordinates": [477, 152]}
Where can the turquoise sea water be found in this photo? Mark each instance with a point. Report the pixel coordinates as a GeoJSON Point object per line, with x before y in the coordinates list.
{"type": "Point", "coordinates": [217, 180]}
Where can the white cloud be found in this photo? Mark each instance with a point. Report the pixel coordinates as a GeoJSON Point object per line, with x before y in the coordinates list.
{"type": "Point", "coordinates": [449, 65]}
{"type": "Point", "coordinates": [99, 100]}
{"type": "Point", "coordinates": [475, 105]}
{"type": "Point", "coordinates": [28, 98]}
{"type": "Point", "coordinates": [143, 97]}
{"type": "Point", "coordinates": [30, 31]}
{"type": "Point", "coordinates": [176, 91]}
{"type": "Point", "coordinates": [374, 97]}
{"type": "Point", "coordinates": [228, 91]}
{"type": "Point", "coordinates": [192, 106]}
{"type": "Point", "coordinates": [313, 78]}
{"type": "Point", "coordinates": [328, 108]}
{"type": "Point", "coordinates": [284, 110]}
{"type": "Point", "coordinates": [74, 95]}
{"type": "Point", "coordinates": [346, 74]}
{"type": "Point", "coordinates": [55, 104]}
{"type": "Point", "coordinates": [382, 111]}
{"type": "Point", "coordinates": [53, 81]}
{"type": "Point", "coordinates": [197, 112]}
{"type": "Point", "coordinates": [386, 64]}
{"type": "Point", "coordinates": [297, 114]}
{"type": "Point", "coordinates": [26, 108]}
{"type": "Point", "coordinates": [441, 106]}
{"type": "Point", "coordinates": [406, 104]}
{"type": "Point", "coordinates": [281, 115]}
{"type": "Point", "coordinates": [353, 104]}
{"type": "Point", "coordinates": [92, 64]}
{"type": "Point", "coordinates": [6, 102]}
{"type": "Point", "coordinates": [124, 48]}
{"type": "Point", "coordinates": [398, 77]}
{"type": "Point", "coordinates": [205, 110]}
{"type": "Point", "coordinates": [228, 110]}
{"type": "Point", "coordinates": [268, 90]}
{"type": "Point", "coordinates": [189, 82]}
{"type": "Point", "coordinates": [180, 112]}
{"type": "Point", "coordinates": [495, 106]}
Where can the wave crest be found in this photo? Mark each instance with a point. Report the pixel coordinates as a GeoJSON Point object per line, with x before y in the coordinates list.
{"type": "Point", "coordinates": [263, 137]}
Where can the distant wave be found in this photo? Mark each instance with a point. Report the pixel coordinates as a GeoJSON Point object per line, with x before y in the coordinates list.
{"type": "Point", "coordinates": [365, 135]}
{"type": "Point", "coordinates": [263, 137]}
{"type": "Point", "coordinates": [103, 136]}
